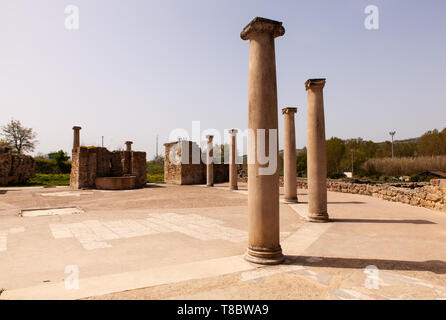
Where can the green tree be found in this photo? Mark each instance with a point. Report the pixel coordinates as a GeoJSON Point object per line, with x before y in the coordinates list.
{"type": "Point", "coordinates": [335, 153]}
{"type": "Point", "coordinates": [301, 162]}
{"type": "Point", "coordinates": [432, 143]}
{"type": "Point", "coordinates": [61, 159]}
{"type": "Point", "coordinates": [22, 139]}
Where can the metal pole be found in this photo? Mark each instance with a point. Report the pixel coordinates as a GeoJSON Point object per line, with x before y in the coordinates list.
{"type": "Point", "coordinates": [102, 141]}
{"type": "Point", "coordinates": [352, 163]}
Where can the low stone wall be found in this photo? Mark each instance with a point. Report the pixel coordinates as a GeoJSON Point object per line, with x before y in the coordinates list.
{"type": "Point", "coordinates": [428, 195]}
{"type": "Point", "coordinates": [15, 169]}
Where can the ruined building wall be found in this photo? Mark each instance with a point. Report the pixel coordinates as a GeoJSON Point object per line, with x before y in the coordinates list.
{"type": "Point", "coordinates": [89, 163]}
{"type": "Point", "coordinates": [15, 169]}
{"type": "Point", "coordinates": [188, 167]}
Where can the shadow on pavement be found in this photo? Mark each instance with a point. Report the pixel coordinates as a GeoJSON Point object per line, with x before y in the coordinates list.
{"type": "Point", "coordinates": [436, 266]}
{"type": "Point", "coordinates": [382, 221]}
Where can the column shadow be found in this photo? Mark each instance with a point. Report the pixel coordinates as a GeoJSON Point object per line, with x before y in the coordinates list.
{"type": "Point", "coordinates": [382, 221]}
{"type": "Point", "coordinates": [336, 202]}
{"type": "Point", "coordinates": [435, 266]}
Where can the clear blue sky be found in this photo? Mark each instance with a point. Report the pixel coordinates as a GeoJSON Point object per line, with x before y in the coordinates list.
{"type": "Point", "coordinates": [135, 69]}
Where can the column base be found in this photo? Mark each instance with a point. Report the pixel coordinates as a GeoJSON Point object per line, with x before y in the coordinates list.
{"type": "Point", "coordinates": [290, 200]}
{"type": "Point", "coordinates": [209, 185]}
{"type": "Point", "coordinates": [233, 188]}
{"type": "Point", "coordinates": [264, 256]}
{"type": "Point", "coordinates": [318, 217]}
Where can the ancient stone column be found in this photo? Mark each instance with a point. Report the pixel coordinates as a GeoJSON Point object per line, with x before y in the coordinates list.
{"type": "Point", "coordinates": [129, 156]}
{"type": "Point", "coordinates": [316, 152]}
{"type": "Point", "coordinates": [76, 137]}
{"type": "Point", "coordinates": [289, 155]}
{"type": "Point", "coordinates": [128, 145]}
{"type": "Point", "coordinates": [209, 162]}
{"type": "Point", "coordinates": [263, 189]}
{"type": "Point", "coordinates": [232, 161]}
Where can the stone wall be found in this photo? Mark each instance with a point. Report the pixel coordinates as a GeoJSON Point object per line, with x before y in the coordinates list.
{"type": "Point", "coordinates": [88, 163]}
{"type": "Point", "coordinates": [187, 166]}
{"type": "Point", "coordinates": [15, 169]}
{"type": "Point", "coordinates": [428, 195]}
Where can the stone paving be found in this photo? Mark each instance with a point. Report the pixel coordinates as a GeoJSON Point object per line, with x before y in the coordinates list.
{"type": "Point", "coordinates": [187, 242]}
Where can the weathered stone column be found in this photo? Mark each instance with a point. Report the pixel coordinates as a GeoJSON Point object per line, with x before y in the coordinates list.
{"type": "Point", "coordinates": [76, 137]}
{"type": "Point", "coordinates": [316, 152]}
{"type": "Point", "coordinates": [289, 155]}
{"type": "Point", "coordinates": [128, 145]}
{"type": "Point", "coordinates": [263, 189]}
{"type": "Point", "coordinates": [129, 156]}
{"type": "Point", "coordinates": [209, 162]}
{"type": "Point", "coordinates": [232, 161]}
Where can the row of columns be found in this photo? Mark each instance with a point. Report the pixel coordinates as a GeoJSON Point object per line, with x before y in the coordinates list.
{"type": "Point", "coordinates": [232, 161]}
{"type": "Point", "coordinates": [263, 189]}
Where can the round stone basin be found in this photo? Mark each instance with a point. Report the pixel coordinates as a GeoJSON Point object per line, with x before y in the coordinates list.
{"type": "Point", "coordinates": [115, 183]}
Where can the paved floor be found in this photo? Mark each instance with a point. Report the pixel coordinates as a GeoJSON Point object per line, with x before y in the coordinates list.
{"type": "Point", "coordinates": [167, 241]}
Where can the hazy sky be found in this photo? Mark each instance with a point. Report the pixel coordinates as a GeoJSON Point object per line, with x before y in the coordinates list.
{"type": "Point", "coordinates": [135, 69]}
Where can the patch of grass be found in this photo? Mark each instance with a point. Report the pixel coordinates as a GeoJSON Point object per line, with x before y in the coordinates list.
{"type": "Point", "coordinates": [155, 177]}
{"type": "Point", "coordinates": [49, 180]}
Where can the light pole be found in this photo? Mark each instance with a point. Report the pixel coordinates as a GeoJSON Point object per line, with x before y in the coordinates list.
{"type": "Point", "coordinates": [352, 161]}
{"type": "Point", "coordinates": [392, 133]}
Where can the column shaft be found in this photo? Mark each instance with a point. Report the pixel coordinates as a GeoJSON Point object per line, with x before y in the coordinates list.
{"type": "Point", "coordinates": [263, 189]}
{"type": "Point", "coordinates": [289, 155]}
{"type": "Point", "coordinates": [316, 152]}
{"type": "Point", "coordinates": [232, 162]}
{"type": "Point", "coordinates": [209, 163]}
{"type": "Point", "coordinates": [76, 137]}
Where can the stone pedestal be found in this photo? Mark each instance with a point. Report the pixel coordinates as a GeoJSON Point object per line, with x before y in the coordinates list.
{"type": "Point", "coordinates": [76, 137]}
{"type": "Point", "coordinates": [263, 189]}
{"type": "Point", "coordinates": [316, 152]}
{"type": "Point", "coordinates": [289, 155]}
{"type": "Point", "coordinates": [209, 162]}
{"type": "Point", "coordinates": [232, 161]}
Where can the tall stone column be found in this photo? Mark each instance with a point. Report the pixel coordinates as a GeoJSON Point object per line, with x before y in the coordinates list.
{"type": "Point", "coordinates": [128, 145]}
{"type": "Point", "coordinates": [76, 137]}
{"type": "Point", "coordinates": [316, 152]}
{"type": "Point", "coordinates": [263, 189]}
{"type": "Point", "coordinates": [232, 161]}
{"type": "Point", "coordinates": [209, 162]}
{"type": "Point", "coordinates": [289, 155]}
{"type": "Point", "coordinates": [129, 156]}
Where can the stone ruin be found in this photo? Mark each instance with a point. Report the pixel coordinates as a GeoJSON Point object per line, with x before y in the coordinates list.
{"type": "Point", "coordinates": [96, 167]}
{"type": "Point", "coordinates": [15, 169]}
{"type": "Point", "coordinates": [187, 166]}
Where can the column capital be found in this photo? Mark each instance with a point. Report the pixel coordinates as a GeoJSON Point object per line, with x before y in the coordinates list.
{"type": "Point", "coordinates": [233, 132]}
{"type": "Point", "coordinates": [259, 25]}
{"type": "Point", "coordinates": [129, 142]}
{"type": "Point", "coordinates": [314, 83]}
{"type": "Point", "coordinates": [289, 110]}
{"type": "Point", "coordinates": [77, 128]}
